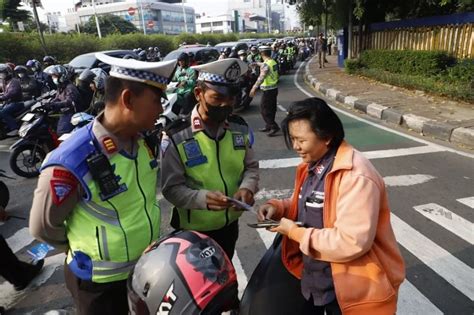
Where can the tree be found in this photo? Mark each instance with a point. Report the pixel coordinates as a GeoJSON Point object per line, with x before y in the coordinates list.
{"type": "Point", "coordinates": [9, 12]}
{"type": "Point", "coordinates": [109, 24]}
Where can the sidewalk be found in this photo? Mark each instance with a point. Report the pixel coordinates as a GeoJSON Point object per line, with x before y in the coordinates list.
{"type": "Point", "coordinates": [428, 115]}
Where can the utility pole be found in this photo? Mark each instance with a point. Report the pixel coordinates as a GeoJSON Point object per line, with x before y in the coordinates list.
{"type": "Point", "coordinates": [349, 30]}
{"type": "Point", "coordinates": [143, 17]}
{"type": "Point", "coordinates": [38, 26]}
{"type": "Point", "coordinates": [269, 15]}
{"type": "Point", "coordinates": [184, 15]}
{"type": "Point", "coordinates": [96, 20]}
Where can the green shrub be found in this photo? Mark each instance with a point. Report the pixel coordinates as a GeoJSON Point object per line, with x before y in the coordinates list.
{"type": "Point", "coordinates": [463, 71]}
{"type": "Point", "coordinates": [352, 66]}
{"type": "Point", "coordinates": [66, 47]}
{"type": "Point", "coordinates": [408, 62]}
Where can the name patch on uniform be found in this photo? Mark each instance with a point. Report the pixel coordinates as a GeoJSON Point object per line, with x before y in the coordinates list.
{"type": "Point", "coordinates": [60, 190]}
{"type": "Point", "coordinates": [239, 141]}
{"type": "Point", "coordinates": [193, 153]}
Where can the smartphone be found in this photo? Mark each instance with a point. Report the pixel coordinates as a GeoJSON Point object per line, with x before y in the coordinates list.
{"type": "Point", "coordinates": [269, 224]}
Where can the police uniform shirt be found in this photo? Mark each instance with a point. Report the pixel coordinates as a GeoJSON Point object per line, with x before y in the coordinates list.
{"type": "Point", "coordinates": [52, 204]}
{"type": "Point", "coordinates": [173, 177]}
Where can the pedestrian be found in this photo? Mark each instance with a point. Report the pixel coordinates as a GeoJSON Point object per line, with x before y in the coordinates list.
{"type": "Point", "coordinates": [345, 251]}
{"type": "Point", "coordinates": [15, 271]}
{"type": "Point", "coordinates": [268, 83]}
{"type": "Point", "coordinates": [186, 78]}
{"type": "Point", "coordinates": [208, 157]}
{"type": "Point", "coordinates": [320, 47]}
{"type": "Point", "coordinates": [96, 194]}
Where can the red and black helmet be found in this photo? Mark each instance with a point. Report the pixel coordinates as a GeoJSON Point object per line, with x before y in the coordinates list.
{"type": "Point", "coordinates": [183, 273]}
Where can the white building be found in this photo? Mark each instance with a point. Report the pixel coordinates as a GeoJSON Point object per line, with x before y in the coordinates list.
{"type": "Point", "coordinates": [153, 16]}
{"type": "Point", "coordinates": [56, 22]}
{"type": "Point", "coordinates": [221, 24]}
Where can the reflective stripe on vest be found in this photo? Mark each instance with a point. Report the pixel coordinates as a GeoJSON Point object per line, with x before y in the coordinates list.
{"type": "Point", "coordinates": [220, 169]}
{"type": "Point", "coordinates": [114, 233]}
{"type": "Point", "coordinates": [271, 79]}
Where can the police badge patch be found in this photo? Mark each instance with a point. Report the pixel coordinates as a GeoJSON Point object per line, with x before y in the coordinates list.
{"type": "Point", "coordinates": [232, 73]}
{"type": "Point", "coordinates": [193, 153]}
{"type": "Point", "coordinates": [239, 141]}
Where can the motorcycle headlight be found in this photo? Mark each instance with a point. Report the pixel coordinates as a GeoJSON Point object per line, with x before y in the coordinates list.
{"type": "Point", "coordinates": [26, 127]}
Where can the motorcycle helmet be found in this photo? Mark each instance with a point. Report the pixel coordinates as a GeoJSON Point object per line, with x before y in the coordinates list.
{"type": "Point", "coordinates": [48, 61]}
{"type": "Point", "coordinates": [57, 71]}
{"type": "Point", "coordinates": [6, 72]}
{"type": "Point", "coordinates": [142, 55]}
{"type": "Point", "coordinates": [87, 76]}
{"type": "Point", "coordinates": [128, 56]}
{"type": "Point", "coordinates": [150, 49]}
{"type": "Point", "coordinates": [156, 49]}
{"type": "Point", "coordinates": [227, 50]}
{"type": "Point", "coordinates": [99, 79]}
{"type": "Point", "coordinates": [71, 72]}
{"type": "Point", "coordinates": [21, 71]}
{"type": "Point", "coordinates": [34, 65]}
{"type": "Point", "coordinates": [80, 119]}
{"type": "Point", "coordinates": [183, 273]}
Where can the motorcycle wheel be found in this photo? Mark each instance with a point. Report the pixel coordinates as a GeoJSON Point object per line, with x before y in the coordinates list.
{"type": "Point", "coordinates": [23, 163]}
{"type": "Point", "coordinates": [4, 195]}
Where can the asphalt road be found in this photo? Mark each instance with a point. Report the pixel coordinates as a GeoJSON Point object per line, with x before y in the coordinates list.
{"type": "Point", "coordinates": [431, 193]}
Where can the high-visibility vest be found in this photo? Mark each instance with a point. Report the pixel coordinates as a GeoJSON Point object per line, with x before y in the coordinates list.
{"type": "Point", "coordinates": [271, 79]}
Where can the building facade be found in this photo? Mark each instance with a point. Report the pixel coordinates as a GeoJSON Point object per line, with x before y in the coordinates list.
{"type": "Point", "coordinates": [149, 16]}
{"type": "Point", "coordinates": [221, 24]}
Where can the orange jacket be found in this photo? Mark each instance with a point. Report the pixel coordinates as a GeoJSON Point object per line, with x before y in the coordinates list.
{"type": "Point", "coordinates": [357, 238]}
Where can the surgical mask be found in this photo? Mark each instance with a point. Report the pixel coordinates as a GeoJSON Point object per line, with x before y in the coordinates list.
{"type": "Point", "coordinates": [56, 81]}
{"type": "Point", "coordinates": [242, 58]}
{"type": "Point", "coordinates": [21, 75]}
{"type": "Point", "coordinates": [218, 113]}
{"type": "Point", "coordinates": [34, 69]}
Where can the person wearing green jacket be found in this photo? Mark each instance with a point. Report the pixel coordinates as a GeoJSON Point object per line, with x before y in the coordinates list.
{"type": "Point", "coordinates": [186, 78]}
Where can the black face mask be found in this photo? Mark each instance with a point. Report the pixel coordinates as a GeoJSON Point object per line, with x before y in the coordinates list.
{"type": "Point", "coordinates": [218, 113]}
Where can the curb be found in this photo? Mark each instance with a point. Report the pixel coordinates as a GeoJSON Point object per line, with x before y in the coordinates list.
{"type": "Point", "coordinates": [461, 135]}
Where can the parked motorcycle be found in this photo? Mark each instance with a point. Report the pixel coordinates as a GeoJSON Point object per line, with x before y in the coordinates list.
{"type": "Point", "coordinates": [37, 138]}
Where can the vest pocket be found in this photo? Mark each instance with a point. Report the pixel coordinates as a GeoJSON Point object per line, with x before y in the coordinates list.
{"type": "Point", "coordinates": [102, 245]}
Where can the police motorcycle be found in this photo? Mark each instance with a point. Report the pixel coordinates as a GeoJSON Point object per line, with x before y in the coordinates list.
{"type": "Point", "coordinates": [37, 138]}
{"type": "Point", "coordinates": [4, 192]}
{"type": "Point", "coordinates": [26, 108]}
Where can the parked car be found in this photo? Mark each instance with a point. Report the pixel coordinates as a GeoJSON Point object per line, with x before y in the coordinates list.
{"type": "Point", "coordinates": [191, 46]}
{"type": "Point", "coordinates": [266, 41]}
{"type": "Point", "coordinates": [201, 54]}
{"type": "Point", "coordinates": [238, 46]}
{"type": "Point", "coordinates": [89, 61]}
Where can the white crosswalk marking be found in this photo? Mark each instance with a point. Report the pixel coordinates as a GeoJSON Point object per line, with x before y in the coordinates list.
{"type": "Point", "coordinates": [448, 220]}
{"type": "Point", "coordinates": [457, 273]}
{"type": "Point", "coordinates": [469, 201]}
{"type": "Point", "coordinates": [413, 302]}
{"type": "Point", "coordinates": [20, 239]}
{"type": "Point", "coordinates": [407, 180]}
{"type": "Point", "coordinates": [241, 276]}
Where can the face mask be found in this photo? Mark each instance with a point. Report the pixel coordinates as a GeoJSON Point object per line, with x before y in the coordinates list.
{"type": "Point", "coordinates": [242, 58]}
{"type": "Point", "coordinates": [21, 75]}
{"type": "Point", "coordinates": [33, 69]}
{"type": "Point", "coordinates": [218, 113]}
{"type": "Point", "coordinates": [56, 81]}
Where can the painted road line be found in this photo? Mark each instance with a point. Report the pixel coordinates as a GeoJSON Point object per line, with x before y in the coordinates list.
{"type": "Point", "coordinates": [413, 302]}
{"type": "Point", "coordinates": [283, 109]}
{"type": "Point", "coordinates": [443, 148]}
{"type": "Point", "coordinates": [469, 201]}
{"type": "Point", "coordinates": [371, 155]}
{"type": "Point", "coordinates": [241, 276]}
{"type": "Point", "coordinates": [448, 220]}
{"type": "Point", "coordinates": [9, 295]}
{"type": "Point", "coordinates": [267, 237]}
{"type": "Point", "coordinates": [407, 180]}
{"type": "Point", "coordinates": [20, 239]}
{"type": "Point", "coordinates": [457, 273]}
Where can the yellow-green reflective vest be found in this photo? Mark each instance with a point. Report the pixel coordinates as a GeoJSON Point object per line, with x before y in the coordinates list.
{"type": "Point", "coordinates": [271, 79]}
{"type": "Point", "coordinates": [216, 165]}
{"type": "Point", "coordinates": [114, 233]}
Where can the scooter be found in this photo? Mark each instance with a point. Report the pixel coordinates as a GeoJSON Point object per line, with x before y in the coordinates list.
{"type": "Point", "coordinates": [26, 107]}
{"type": "Point", "coordinates": [37, 138]}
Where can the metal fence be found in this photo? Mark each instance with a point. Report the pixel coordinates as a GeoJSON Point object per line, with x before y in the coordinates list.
{"type": "Point", "coordinates": [454, 34]}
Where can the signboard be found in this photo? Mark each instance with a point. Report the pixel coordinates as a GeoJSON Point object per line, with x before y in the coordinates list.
{"type": "Point", "coordinates": [131, 11]}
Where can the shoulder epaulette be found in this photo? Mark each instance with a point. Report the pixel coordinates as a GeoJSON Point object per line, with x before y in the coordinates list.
{"type": "Point", "coordinates": [236, 119]}
{"type": "Point", "coordinates": [177, 125]}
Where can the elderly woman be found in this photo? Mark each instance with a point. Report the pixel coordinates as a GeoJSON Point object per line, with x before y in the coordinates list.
{"type": "Point", "coordinates": [344, 251]}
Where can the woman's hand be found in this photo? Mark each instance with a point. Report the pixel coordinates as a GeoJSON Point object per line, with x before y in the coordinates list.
{"type": "Point", "coordinates": [265, 212]}
{"type": "Point", "coordinates": [285, 226]}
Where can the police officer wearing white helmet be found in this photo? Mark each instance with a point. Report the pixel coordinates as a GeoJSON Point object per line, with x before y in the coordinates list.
{"type": "Point", "coordinates": [96, 195]}
{"type": "Point", "coordinates": [208, 157]}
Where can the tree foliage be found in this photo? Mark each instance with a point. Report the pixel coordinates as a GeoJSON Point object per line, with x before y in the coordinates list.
{"type": "Point", "coordinates": [109, 24]}
{"type": "Point", "coordinates": [10, 12]}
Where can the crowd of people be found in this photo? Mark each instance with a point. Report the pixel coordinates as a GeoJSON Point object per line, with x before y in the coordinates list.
{"type": "Point", "coordinates": [96, 195]}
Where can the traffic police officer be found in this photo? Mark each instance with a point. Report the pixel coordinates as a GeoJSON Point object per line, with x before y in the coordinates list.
{"type": "Point", "coordinates": [208, 156]}
{"type": "Point", "coordinates": [96, 195]}
{"type": "Point", "coordinates": [268, 83]}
